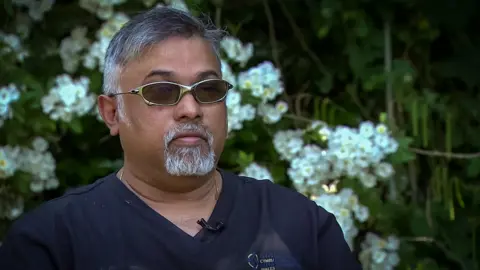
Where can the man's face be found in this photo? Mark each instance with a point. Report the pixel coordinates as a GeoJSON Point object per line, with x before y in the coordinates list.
{"type": "Point", "coordinates": [183, 139]}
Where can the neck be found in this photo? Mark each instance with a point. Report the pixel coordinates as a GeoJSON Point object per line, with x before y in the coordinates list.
{"type": "Point", "coordinates": [172, 189]}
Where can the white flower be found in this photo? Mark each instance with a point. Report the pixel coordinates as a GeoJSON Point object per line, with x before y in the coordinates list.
{"type": "Point", "coordinates": [361, 213]}
{"type": "Point", "coordinates": [8, 161]}
{"type": "Point", "coordinates": [36, 8]}
{"type": "Point", "coordinates": [13, 45]}
{"type": "Point", "coordinates": [227, 73]}
{"type": "Point", "coordinates": [269, 113]}
{"type": "Point", "coordinates": [178, 4]}
{"type": "Point", "coordinates": [236, 51]}
{"type": "Point", "coordinates": [379, 256]}
{"type": "Point", "coordinates": [236, 112]}
{"type": "Point", "coordinates": [102, 8]}
{"type": "Point", "coordinates": [40, 144]}
{"type": "Point", "coordinates": [8, 95]}
{"type": "Point", "coordinates": [68, 98]}
{"type": "Point", "coordinates": [378, 253]}
{"type": "Point", "coordinates": [347, 152]}
{"type": "Point", "coordinates": [346, 208]}
{"type": "Point", "coordinates": [384, 170]}
{"type": "Point", "coordinates": [288, 143]}
{"type": "Point", "coordinates": [72, 47]}
{"type": "Point", "coordinates": [263, 81]}
{"type": "Point", "coordinates": [257, 171]}
{"type": "Point", "coordinates": [96, 54]}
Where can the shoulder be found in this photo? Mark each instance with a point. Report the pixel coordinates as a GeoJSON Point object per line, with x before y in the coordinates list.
{"type": "Point", "coordinates": [304, 226]}
{"type": "Point", "coordinates": [286, 202]}
{"type": "Point", "coordinates": [48, 215]}
{"type": "Point", "coordinates": [42, 236]}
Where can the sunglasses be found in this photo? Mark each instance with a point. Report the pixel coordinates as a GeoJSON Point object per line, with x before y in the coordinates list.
{"type": "Point", "coordinates": [170, 93]}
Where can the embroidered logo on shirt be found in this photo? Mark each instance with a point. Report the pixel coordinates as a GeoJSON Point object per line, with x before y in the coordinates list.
{"type": "Point", "coordinates": [262, 262]}
{"type": "Point", "coordinates": [270, 261]}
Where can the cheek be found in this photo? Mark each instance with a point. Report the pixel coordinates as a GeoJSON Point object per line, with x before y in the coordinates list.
{"type": "Point", "coordinates": [216, 119]}
{"type": "Point", "coordinates": [150, 126]}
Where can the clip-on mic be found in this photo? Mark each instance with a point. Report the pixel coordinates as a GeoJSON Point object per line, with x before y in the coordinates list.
{"type": "Point", "coordinates": [218, 227]}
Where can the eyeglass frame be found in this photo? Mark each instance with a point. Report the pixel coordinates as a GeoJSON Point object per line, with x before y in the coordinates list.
{"type": "Point", "coordinates": [184, 89]}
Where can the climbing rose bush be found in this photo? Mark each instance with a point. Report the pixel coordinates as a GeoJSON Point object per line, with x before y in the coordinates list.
{"type": "Point", "coordinates": [319, 159]}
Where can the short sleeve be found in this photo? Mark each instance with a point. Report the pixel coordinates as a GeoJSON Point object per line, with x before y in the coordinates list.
{"type": "Point", "coordinates": [335, 252]}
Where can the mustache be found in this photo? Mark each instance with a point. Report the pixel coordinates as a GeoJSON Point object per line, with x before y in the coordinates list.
{"type": "Point", "coordinates": [188, 127]}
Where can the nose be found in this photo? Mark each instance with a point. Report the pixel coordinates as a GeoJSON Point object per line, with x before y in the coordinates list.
{"type": "Point", "coordinates": [187, 109]}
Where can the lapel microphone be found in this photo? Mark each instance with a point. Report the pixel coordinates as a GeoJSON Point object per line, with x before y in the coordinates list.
{"type": "Point", "coordinates": [218, 226]}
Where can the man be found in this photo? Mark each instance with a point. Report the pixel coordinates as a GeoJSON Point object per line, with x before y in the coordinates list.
{"type": "Point", "coordinates": [169, 207]}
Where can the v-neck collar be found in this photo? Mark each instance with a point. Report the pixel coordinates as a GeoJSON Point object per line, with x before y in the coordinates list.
{"type": "Point", "coordinates": [221, 211]}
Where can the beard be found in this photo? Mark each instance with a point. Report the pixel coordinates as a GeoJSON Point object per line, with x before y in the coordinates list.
{"type": "Point", "coordinates": [197, 160]}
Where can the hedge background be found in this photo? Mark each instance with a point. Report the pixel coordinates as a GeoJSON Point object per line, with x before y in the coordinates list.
{"type": "Point", "coordinates": [412, 66]}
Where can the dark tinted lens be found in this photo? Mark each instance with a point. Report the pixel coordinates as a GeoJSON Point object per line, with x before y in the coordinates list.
{"type": "Point", "coordinates": [161, 93]}
{"type": "Point", "coordinates": [211, 91]}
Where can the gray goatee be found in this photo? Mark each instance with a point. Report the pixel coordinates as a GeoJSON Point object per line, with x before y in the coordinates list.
{"type": "Point", "coordinates": [189, 160]}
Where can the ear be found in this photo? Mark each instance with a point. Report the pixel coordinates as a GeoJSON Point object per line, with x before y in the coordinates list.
{"type": "Point", "coordinates": [107, 106]}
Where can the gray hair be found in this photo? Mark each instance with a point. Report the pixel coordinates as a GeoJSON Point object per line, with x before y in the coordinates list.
{"type": "Point", "coordinates": [148, 29]}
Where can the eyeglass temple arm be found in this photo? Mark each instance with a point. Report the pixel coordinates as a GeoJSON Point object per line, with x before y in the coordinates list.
{"type": "Point", "coordinates": [131, 92]}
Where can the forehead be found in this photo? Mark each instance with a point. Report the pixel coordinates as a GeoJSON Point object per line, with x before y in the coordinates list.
{"type": "Point", "coordinates": [182, 59]}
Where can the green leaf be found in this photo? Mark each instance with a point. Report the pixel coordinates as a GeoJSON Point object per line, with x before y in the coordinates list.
{"type": "Point", "coordinates": [246, 136]}
{"type": "Point", "coordinates": [244, 159]}
{"type": "Point", "coordinates": [403, 153]}
{"type": "Point", "coordinates": [8, 7]}
{"type": "Point", "coordinates": [473, 168]}
{"type": "Point", "coordinates": [323, 31]}
{"type": "Point", "coordinates": [419, 225]}
{"type": "Point", "coordinates": [326, 84]}
{"type": "Point", "coordinates": [76, 126]}
{"type": "Point", "coordinates": [361, 28]}
{"type": "Point", "coordinates": [22, 182]}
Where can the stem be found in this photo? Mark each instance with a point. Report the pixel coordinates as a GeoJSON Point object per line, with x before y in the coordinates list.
{"type": "Point", "coordinates": [297, 31]}
{"type": "Point", "coordinates": [434, 153]}
{"type": "Point", "coordinates": [388, 72]}
{"type": "Point", "coordinates": [271, 33]}
{"type": "Point", "coordinates": [389, 92]}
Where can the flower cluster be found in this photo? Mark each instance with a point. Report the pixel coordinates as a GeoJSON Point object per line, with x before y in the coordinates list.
{"type": "Point", "coordinates": [257, 171]}
{"type": "Point", "coordinates": [96, 54]}
{"type": "Point", "coordinates": [8, 95]}
{"type": "Point", "coordinates": [337, 152]}
{"type": "Point", "coordinates": [40, 163]}
{"type": "Point", "coordinates": [35, 160]}
{"type": "Point", "coordinates": [236, 51]}
{"type": "Point", "coordinates": [272, 114]}
{"type": "Point", "coordinates": [346, 208]}
{"type": "Point", "coordinates": [237, 113]}
{"type": "Point", "coordinates": [12, 45]}
{"type": "Point", "coordinates": [72, 47]}
{"type": "Point", "coordinates": [378, 253]}
{"type": "Point", "coordinates": [103, 9]}
{"type": "Point", "coordinates": [288, 143]}
{"type": "Point", "coordinates": [11, 206]}
{"type": "Point", "coordinates": [68, 98]}
{"type": "Point", "coordinates": [36, 8]}
{"type": "Point", "coordinates": [262, 81]}
{"type": "Point", "coordinates": [8, 161]}
{"type": "Point", "coordinates": [177, 4]}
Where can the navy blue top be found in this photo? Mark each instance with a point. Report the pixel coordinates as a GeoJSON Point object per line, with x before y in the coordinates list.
{"type": "Point", "coordinates": [104, 226]}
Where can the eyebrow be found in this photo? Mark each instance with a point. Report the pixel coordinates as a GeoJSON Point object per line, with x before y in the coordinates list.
{"type": "Point", "coordinates": [166, 73]}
